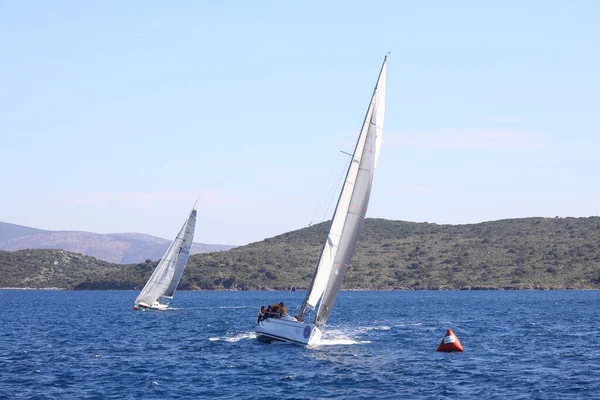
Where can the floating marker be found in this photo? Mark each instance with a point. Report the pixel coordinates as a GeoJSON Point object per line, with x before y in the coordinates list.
{"type": "Point", "coordinates": [450, 343]}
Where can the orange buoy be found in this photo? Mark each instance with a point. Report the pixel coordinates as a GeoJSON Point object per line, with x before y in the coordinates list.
{"type": "Point", "coordinates": [450, 343]}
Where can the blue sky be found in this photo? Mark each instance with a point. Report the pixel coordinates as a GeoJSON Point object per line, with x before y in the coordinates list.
{"type": "Point", "coordinates": [115, 115]}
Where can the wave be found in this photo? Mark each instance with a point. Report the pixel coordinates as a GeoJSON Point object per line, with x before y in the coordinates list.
{"type": "Point", "coordinates": [233, 339]}
{"type": "Point", "coordinates": [331, 338]}
{"type": "Point", "coordinates": [348, 336]}
{"type": "Point", "coordinates": [341, 341]}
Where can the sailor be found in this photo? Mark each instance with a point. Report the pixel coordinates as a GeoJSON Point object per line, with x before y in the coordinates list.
{"type": "Point", "coordinates": [261, 314]}
{"type": "Point", "coordinates": [279, 310]}
{"type": "Point", "coordinates": [268, 312]}
{"type": "Point", "coordinates": [282, 309]}
{"type": "Point", "coordinates": [275, 311]}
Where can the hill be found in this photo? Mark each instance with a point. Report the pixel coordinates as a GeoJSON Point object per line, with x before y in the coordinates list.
{"type": "Point", "coordinates": [50, 269]}
{"type": "Point", "coordinates": [529, 253]}
{"type": "Point", "coordinates": [12, 231]}
{"type": "Point", "coordinates": [111, 247]}
{"type": "Point", "coordinates": [508, 254]}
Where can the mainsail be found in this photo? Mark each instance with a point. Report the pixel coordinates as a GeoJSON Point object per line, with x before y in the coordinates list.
{"type": "Point", "coordinates": [183, 254]}
{"type": "Point", "coordinates": [166, 276]}
{"type": "Point", "coordinates": [350, 210]}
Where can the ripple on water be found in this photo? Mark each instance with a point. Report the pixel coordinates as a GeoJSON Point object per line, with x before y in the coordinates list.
{"type": "Point", "coordinates": [517, 345]}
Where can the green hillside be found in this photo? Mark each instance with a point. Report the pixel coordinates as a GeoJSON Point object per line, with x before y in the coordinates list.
{"type": "Point", "coordinates": [519, 253]}
{"type": "Point", "coordinates": [50, 268]}
{"type": "Point", "coordinates": [530, 253]}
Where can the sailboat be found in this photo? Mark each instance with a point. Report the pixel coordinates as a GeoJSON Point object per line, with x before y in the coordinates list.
{"type": "Point", "coordinates": [167, 274]}
{"type": "Point", "coordinates": [340, 242]}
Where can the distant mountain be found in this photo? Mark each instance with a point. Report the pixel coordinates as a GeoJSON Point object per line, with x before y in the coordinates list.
{"type": "Point", "coordinates": [122, 248]}
{"type": "Point", "coordinates": [11, 231]}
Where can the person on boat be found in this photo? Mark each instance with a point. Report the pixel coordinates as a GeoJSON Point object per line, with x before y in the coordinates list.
{"type": "Point", "coordinates": [261, 314]}
{"type": "Point", "coordinates": [282, 310]}
{"type": "Point", "coordinates": [275, 311]}
{"type": "Point", "coordinates": [268, 312]}
{"type": "Point", "coordinates": [279, 310]}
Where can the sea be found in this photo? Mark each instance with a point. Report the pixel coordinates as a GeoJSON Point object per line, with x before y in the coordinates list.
{"type": "Point", "coordinates": [377, 345]}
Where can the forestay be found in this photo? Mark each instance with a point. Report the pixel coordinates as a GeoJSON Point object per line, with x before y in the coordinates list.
{"type": "Point", "coordinates": [166, 276]}
{"type": "Point", "coordinates": [350, 210]}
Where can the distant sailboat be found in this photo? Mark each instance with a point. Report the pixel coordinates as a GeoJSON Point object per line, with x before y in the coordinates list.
{"type": "Point", "coordinates": [341, 240]}
{"type": "Point", "coordinates": [168, 272]}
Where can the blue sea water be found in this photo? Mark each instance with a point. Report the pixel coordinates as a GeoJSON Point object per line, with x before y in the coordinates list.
{"type": "Point", "coordinates": [378, 345]}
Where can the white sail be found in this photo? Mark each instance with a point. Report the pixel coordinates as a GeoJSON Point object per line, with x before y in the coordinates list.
{"type": "Point", "coordinates": [350, 210]}
{"type": "Point", "coordinates": [379, 110]}
{"type": "Point", "coordinates": [182, 255]}
{"type": "Point", "coordinates": [166, 276]}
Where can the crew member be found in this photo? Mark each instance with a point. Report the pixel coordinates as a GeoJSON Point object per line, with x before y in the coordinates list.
{"type": "Point", "coordinates": [261, 314]}
{"type": "Point", "coordinates": [275, 311]}
{"type": "Point", "coordinates": [282, 309]}
{"type": "Point", "coordinates": [279, 309]}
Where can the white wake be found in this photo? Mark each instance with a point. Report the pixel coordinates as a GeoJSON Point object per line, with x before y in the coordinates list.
{"type": "Point", "coordinates": [235, 338]}
{"type": "Point", "coordinates": [345, 337]}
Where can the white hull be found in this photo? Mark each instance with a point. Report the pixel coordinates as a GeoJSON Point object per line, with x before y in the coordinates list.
{"type": "Point", "coordinates": [288, 329]}
{"type": "Point", "coordinates": [156, 306]}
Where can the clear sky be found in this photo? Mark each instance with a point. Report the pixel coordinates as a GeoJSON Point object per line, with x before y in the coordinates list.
{"type": "Point", "coordinates": [115, 115]}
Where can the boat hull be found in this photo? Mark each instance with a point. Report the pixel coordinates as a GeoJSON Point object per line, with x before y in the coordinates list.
{"type": "Point", "coordinates": [287, 329]}
{"type": "Point", "coordinates": [156, 306]}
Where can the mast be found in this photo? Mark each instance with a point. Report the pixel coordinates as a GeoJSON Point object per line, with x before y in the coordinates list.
{"type": "Point", "coordinates": [321, 284]}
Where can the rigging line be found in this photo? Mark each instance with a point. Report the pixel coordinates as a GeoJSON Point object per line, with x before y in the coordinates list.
{"type": "Point", "coordinates": [329, 191]}
{"type": "Point", "coordinates": [335, 189]}
{"type": "Point", "coordinates": [196, 203]}
{"type": "Point", "coordinates": [324, 194]}
{"type": "Point", "coordinates": [353, 140]}
{"type": "Point", "coordinates": [350, 141]}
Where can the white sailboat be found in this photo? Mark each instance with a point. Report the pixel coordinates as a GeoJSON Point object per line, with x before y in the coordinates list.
{"type": "Point", "coordinates": [341, 240]}
{"type": "Point", "coordinates": [167, 274]}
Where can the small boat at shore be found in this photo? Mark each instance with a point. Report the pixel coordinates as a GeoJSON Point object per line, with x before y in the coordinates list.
{"type": "Point", "coordinates": [340, 242]}
{"type": "Point", "coordinates": [166, 276]}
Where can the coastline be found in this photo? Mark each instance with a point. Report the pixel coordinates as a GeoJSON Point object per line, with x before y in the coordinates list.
{"type": "Point", "coordinates": [32, 288]}
{"type": "Point", "coordinates": [343, 290]}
